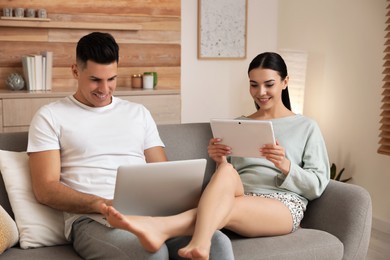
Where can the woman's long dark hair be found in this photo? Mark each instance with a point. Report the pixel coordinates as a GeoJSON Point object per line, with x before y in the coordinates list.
{"type": "Point", "coordinates": [273, 61]}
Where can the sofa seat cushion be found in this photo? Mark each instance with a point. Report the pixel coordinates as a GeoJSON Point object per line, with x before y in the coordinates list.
{"type": "Point", "coordinates": [63, 252]}
{"type": "Point", "coordinates": [303, 244]}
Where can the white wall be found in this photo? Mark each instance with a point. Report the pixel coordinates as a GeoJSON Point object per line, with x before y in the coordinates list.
{"type": "Point", "coordinates": [345, 42]}
{"type": "Point", "coordinates": [220, 88]}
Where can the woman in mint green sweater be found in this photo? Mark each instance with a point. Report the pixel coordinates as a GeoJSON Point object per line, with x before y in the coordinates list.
{"type": "Point", "coordinates": [251, 196]}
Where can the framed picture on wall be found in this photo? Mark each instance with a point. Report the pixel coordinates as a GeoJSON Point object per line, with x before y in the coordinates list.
{"type": "Point", "coordinates": [222, 28]}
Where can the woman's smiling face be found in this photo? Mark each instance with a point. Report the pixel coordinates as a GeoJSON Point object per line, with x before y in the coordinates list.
{"type": "Point", "coordinates": [266, 88]}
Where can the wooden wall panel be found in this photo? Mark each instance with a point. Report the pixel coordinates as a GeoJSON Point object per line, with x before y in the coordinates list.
{"type": "Point", "coordinates": [155, 47]}
{"type": "Point", "coordinates": [117, 7]}
{"type": "Point", "coordinates": [168, 77]}
{"type": "Point", "coordinates": [23, 34]}
{"type": "Point", "coordinates": [130, 55]}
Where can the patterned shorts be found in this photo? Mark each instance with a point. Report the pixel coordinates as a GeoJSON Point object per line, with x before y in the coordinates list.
{"type": "Point", "coordinates": [293, 203]}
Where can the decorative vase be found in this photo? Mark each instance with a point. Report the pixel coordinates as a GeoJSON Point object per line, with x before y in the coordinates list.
{"type": "Point", "coordinates": [14, 81]}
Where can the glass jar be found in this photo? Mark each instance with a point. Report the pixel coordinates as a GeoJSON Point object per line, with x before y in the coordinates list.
{"type": "Point", "coordinates": [136, 81]}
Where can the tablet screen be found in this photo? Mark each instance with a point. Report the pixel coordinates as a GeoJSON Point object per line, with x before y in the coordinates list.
{"type": "Point", "coordinates": [245, 137]}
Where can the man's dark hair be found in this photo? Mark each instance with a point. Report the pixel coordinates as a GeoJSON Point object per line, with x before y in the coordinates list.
{"type": "Point", "coordinates": [97, 47]}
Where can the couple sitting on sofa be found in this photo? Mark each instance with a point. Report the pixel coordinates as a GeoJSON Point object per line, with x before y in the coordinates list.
{"type": "Point", "coordinates": [76, 145]}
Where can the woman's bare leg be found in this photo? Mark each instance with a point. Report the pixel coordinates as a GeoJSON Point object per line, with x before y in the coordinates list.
{"type": "Point", "coordinates": [214, 208]}
{"type": "Point", "coordinates": [257, 216]}
{"type": "Point", "coordinates": [152, 232]}
{"type": "Point", "coordinates": [223, 204]}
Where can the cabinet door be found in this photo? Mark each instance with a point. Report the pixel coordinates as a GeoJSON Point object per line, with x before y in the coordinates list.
{"type": "Point", "coordinates": [165, 109]}
{"type": "Point", "coordinates": [18, 112]}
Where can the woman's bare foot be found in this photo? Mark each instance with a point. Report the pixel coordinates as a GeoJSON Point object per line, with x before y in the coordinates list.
{"type": "Point", "coordinates": [195, 252]}
{"type": "Point", "coordinates": [145, 228]}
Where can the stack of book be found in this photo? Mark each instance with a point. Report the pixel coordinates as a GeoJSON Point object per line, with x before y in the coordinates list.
{"type": "Point", "coordinates": [37, 70]}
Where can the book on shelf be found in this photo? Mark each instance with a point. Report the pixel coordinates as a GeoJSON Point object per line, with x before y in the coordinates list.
{"type": "Point", "coordinates": [26, 71]}
{"type": "Point", "coordinates": [37, 70]}
{"type": "Point", "coordinates": [48, 77]}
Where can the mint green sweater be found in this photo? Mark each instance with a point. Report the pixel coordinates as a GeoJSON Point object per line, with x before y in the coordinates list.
{"type": "Point", "coordinates": [305, 148]}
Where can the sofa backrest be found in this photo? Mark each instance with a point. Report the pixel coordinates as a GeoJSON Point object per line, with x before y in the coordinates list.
{"type": "Point", "coordinates": [188, 141]}
{"type": "Point", "coordinates": [182, 141]}
{"type": "Point", "coordinates": [14, 141]}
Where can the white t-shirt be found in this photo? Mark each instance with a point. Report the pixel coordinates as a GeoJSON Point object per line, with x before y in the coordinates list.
{"type": "Point", "coordinates": [94, 141]}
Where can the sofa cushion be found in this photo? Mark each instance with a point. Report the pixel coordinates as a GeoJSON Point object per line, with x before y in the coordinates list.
{"type": "Point", "coordinates": [62, 252]}
{"type": "Point", "coordinates": [38, 224]}
{"type": "Point", "coordinates": [9, 235]}
{"type": "Point", "coordinates": [302, 244]}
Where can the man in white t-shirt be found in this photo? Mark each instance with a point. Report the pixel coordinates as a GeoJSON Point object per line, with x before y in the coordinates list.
{"type": "Point", "coordinates": [76, 145]}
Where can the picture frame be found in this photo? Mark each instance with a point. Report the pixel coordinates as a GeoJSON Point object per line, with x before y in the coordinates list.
{"type": "Point", "coordinates": [222, 29]}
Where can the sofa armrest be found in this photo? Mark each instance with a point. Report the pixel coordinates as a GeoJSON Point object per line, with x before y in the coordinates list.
{"type": "Point", "coordinates": [344, 210]}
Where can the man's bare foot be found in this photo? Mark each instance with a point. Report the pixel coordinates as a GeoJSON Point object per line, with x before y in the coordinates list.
{"type": "Point", "coordinates": [195, 252]}
{"type": "Point", "coordinates": [145, 228]}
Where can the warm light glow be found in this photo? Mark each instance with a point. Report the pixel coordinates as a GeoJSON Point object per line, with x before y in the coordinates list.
{"type": "Point", "coordinates": [296, 66]}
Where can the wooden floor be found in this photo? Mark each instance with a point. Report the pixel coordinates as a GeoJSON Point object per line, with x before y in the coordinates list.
{"type": "Point", "coordinates": [379, 248]}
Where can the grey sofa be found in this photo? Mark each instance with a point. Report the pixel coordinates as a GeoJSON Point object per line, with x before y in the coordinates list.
{"type": "Point", "coordinates": [335, 226]}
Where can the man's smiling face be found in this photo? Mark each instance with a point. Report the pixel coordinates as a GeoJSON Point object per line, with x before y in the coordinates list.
{"type": "Point", "coordinates": [96, 83]}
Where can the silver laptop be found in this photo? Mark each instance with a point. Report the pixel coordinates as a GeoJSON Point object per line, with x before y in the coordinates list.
{"type": "Point", "coordinates": [159, 189]}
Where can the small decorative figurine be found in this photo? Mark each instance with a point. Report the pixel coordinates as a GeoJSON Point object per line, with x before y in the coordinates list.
{"type": "Point", "coordinates": [15, 81]}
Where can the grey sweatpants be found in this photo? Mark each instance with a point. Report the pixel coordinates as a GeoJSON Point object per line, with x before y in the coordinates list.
{"type": "Point", "coordinates": [92, 240]}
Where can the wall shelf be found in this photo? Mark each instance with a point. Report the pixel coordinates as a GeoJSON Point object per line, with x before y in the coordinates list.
{"type": "Point", "coordinates": [9, 18]}
{"type": "Point", "coordinates": [47, 23]}
{"type": "Point", "coordinates": [58, 93]}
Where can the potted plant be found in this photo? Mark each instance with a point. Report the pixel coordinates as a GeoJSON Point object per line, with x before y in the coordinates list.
{"type": "Point", "coordinates": [337, 176]}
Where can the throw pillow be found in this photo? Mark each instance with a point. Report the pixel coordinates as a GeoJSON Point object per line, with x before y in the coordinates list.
{"type": "Point", "coordinates": [38, 225]}
{"type": "Point", "coordinates": [9, 235]}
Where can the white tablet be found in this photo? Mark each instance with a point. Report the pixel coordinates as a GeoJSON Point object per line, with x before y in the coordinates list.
{"type": "Point", "coordinates": [245, 137]}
